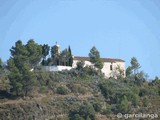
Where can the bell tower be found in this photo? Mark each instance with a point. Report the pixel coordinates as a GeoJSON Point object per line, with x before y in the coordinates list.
{"type": "Point", "coordinates": [55, 51]}
{"type": "Point", "coordinates": [57, 48]}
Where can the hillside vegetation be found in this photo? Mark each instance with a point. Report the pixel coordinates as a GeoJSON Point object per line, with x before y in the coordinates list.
{"type": "Point", "coordinates": [82, 93]}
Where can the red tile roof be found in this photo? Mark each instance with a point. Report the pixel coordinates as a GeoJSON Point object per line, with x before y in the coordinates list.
{"type": "Point", "coordinates": [102, 59]}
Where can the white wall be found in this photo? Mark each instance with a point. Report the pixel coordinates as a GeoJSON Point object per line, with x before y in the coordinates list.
{"type": "Point", "coordinates": [86, 63]}
{"type": "Point", "coordinates": [56, 68]}
{"type": "Point", "coordinates": [106, 68]}
{"type": "Point", "coordinates": [114, 72]}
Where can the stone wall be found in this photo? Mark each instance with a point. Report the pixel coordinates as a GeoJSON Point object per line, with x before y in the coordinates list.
{"type": "Point", "coordinates": [56, 68]}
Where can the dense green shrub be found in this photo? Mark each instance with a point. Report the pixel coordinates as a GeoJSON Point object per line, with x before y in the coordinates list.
{"type": "Point", "coordinates": [135, 100]}
{"type": "Point", "coordinates": [144, 92]}
{"type": "Point", "coordinates": [85, 112]}
{"type": "Point", "coordinates": [77, 117]}
{"type": "Point", "coordinates": [77, 88]}
{"type": "Point", "coordinates": [82, 90]}
{"type": "Point", "coordinates": [107, 110]}
{"type": "Point", "coordinates": [135, 89]}
{"type": "Point", "coordinates": [62, 90]}
{"type": "Point", "coordinates": [123, 105]}
{"type": "Point", "coordinates": [107, 90]}
{"type": "Point", "coordinates": [145, 102]}
{"type": "Point", "coordinates": [97, 106]}
{"type": "Point", "coordinates": [43, 89]}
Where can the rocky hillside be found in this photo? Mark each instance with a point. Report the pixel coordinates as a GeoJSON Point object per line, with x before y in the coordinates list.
{"type": "Point", "coordinates": [69, 95]}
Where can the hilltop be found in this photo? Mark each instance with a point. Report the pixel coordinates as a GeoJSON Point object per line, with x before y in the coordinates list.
{"type": "Point", "coordinates": [81, 93]}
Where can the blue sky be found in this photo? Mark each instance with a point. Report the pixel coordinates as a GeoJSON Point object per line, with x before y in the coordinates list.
{"type": "Point", "coordinates": [118, 28]}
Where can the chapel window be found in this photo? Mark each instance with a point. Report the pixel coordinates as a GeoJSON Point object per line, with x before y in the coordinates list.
{"type": "Point", "coordinates": [111, 67]}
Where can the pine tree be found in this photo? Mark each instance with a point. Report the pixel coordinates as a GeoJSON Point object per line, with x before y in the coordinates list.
{"type": "Point", "coordinates": [70, 56]}
{"type": "Point", "coordinates": [45, 52]}
{"type": "Point", "coordinates": [95, 58]}
{"type": "Point", "coordinates": [128, 71]}
{"type": "Point", "coordinates": [23, 59]}
{"type": "Point", "coordinates": [135, 65]}
{"type": "Point", "coordinates": [123, 105]}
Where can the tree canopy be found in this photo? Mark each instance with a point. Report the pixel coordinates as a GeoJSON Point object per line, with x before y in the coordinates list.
{"type": "Point", "coordinates": [134, 64]}
{"type": "Point", "coordinates": [95, 58]}
{"type": "Point", "coordinates": [23, 59]}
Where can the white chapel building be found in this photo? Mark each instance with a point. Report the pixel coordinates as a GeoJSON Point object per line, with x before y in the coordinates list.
{"type": "Point", "coordinates": [111, 67]}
